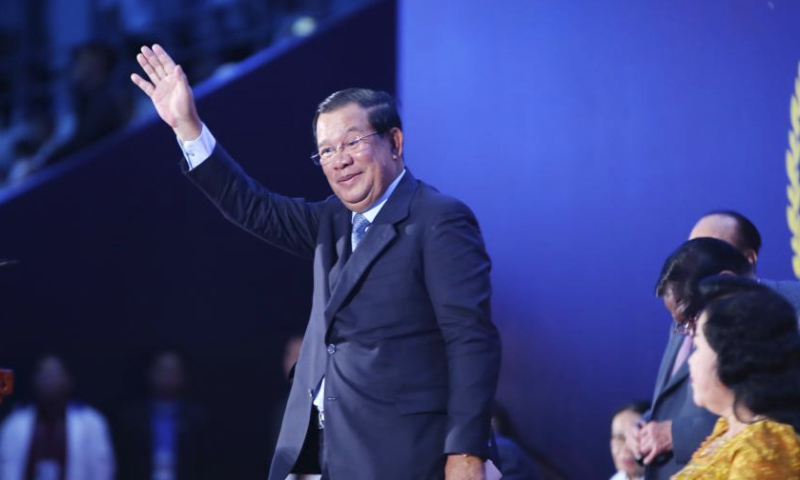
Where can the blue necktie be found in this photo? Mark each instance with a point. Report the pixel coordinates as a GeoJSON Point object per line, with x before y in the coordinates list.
{"type": "Point", "coordinates": [360, 225]}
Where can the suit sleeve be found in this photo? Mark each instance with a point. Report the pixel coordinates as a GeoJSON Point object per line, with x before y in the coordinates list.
{"type": "Point", "coordinates": [457, 277]}
{"type": "Point", "coordinates": [689, 432]}
{"type": "Point", "coordinates": [287, 223]}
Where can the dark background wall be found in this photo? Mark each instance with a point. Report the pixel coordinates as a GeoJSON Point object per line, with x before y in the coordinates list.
{"type": "Point", "coordinates": [120, 254]}
{"type": "Point", "coordinates": [588, 137]}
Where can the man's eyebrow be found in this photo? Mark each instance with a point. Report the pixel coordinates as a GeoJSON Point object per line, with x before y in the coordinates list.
{"type": "Point", "coordinates": [351, 129]}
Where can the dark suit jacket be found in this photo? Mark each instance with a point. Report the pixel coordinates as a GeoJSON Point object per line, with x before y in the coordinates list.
{"type": "Point", "coordinates": [789, 289]}
{"type": "Point", "coordinates": [400, 329]}
{"type": "Point", "coordinates": [672, 400]}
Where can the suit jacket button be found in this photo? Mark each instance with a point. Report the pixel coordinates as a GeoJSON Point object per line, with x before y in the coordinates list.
{"type": "Point", "coordinates": [331, 349]}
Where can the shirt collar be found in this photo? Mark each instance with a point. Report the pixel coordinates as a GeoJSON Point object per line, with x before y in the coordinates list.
{"type": "Point", "coordinates": [373, 211]}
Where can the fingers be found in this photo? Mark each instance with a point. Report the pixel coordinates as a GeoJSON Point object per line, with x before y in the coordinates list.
{"type": "Point", "coordinates": [159, 67]}
{"type": "Point", "coordinates": [181, 76]}
{"type": "Point", "coordinates": [645, 451]}
{"type": "Point", "coordinates": [144, 62]}
{"type": "Point", "coordinates": [647, 439]}
{"type": "Point", "coordinates": [650, 457]}
{"type": "Point", "coordinates": [646, 442]}
{"type": "Point", "coordinates": [143, 84]}
{"type": "Point", "coordinates": [155, 62]}
{"type": "Point", "coordinates": [634, 446]}
{"type": "Point", "coordinates": [653, 443]}
{"type": "Point", "coordinates": [164, 58]}
{"type": "Point", "coordinates": [633, 439]}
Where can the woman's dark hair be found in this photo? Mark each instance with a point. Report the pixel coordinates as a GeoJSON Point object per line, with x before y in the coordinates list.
{"type": "Point", "coordinates": [693, 261]}
{"type": "Point", "coordinates": [754, 332]}
{"type": "Point", "coordinates": [382, 107]}
{"type": "Point", "coordinates": [747, 235]}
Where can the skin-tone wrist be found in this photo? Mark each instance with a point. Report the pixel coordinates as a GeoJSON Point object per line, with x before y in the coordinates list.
{"type": "Point", "coordinates": [169, 90]}
{"type": "Point", "coordinates": [463, 466]}
{"type": "Point", "coordinates": [189, 130]}
{"type": "Point", "coordinates": [465, 455]}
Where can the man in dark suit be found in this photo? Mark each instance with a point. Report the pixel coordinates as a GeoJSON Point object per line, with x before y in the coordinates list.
{"type": "Point", "coordinates": [400, 359]}
{"type": "Point", "coordinates": [674, 427]}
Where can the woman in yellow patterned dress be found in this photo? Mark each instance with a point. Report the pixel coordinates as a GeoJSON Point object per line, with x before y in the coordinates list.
{"type": "Point", "coordinates": [746, 369]}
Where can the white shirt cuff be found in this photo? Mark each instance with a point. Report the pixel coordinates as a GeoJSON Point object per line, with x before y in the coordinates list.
{"type": "Point", "coordinates": [198, 150]}
{"type": "Point", "coordinates": [320, 398]}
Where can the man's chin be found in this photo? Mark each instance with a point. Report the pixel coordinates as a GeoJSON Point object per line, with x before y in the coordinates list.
{"type": "Point", "coordinates": [350, 195]}
{"type": "Point", "coordinates": [355, 203]}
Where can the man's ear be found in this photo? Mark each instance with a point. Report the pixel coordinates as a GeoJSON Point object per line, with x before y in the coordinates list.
{"type": "Point", "coordinates": [751, 256]}
{"type": "Point", "coordinates": [396, 138]}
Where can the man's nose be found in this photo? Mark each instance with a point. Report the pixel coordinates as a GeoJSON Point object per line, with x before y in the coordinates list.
{"type": "Point", "coordinates": [341, 160]}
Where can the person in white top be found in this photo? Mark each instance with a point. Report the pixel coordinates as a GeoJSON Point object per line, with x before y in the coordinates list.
{"type": "Point", "coordinates": [55, 439]}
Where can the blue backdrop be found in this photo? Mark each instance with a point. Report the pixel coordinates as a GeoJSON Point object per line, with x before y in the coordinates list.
{"type": "Point", "coordinates": [588, 137]}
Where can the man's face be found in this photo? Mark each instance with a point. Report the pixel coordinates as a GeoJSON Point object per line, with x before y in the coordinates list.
{"type": "Point", "coordinates": [167, 376]}
{"type": "Point", "coordinates": [51, 381]}
{"type": "Point", "coordinates": [707, 389]}
{"type": "Point", "coordinates": [360, 178]}
{"type": "Point", "coordinates": [674, 306]}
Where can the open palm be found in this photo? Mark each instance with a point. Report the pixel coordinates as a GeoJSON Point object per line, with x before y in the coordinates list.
{"type": "Point", "coordinates": [169, 90]}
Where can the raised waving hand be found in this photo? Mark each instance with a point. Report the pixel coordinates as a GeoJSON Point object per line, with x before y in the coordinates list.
{"type": "Point", "coordinates": [169, 90]}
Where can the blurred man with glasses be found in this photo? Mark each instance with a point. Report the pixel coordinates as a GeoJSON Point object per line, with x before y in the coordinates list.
{"type": "Point", "coordinates": [400, 358]}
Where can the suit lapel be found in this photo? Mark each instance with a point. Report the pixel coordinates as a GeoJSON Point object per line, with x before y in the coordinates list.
{"type": "Point", "coordinates": [378, 237]}
{"type": "Point", "coordinates": [664, 382]}
{"type": "Point", "coordinates": [679, 376]}
{"type": "Point", "coordinates": [342, 226]}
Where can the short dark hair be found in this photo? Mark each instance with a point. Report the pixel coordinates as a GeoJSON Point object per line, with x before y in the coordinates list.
{"type": "Point", "coordinates": [693, 261]}
{"type": "Point", "coordinates": [747, 235]}
{"type": "Point", "coordinates": [382, 107]}
{"type": "Point", "coordinates": [753, 331]}
{"type": "Point", "coordinates": [639, 407]}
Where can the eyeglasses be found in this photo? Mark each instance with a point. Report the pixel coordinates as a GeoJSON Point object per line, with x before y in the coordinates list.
{"type": "Point", "coordinates": [687, 326]}
{"type": "Point", "coordinates": [327, 154]}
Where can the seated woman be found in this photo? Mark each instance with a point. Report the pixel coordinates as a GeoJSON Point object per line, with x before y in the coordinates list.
{"type": "Point", "coordinates": [746, 369]}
